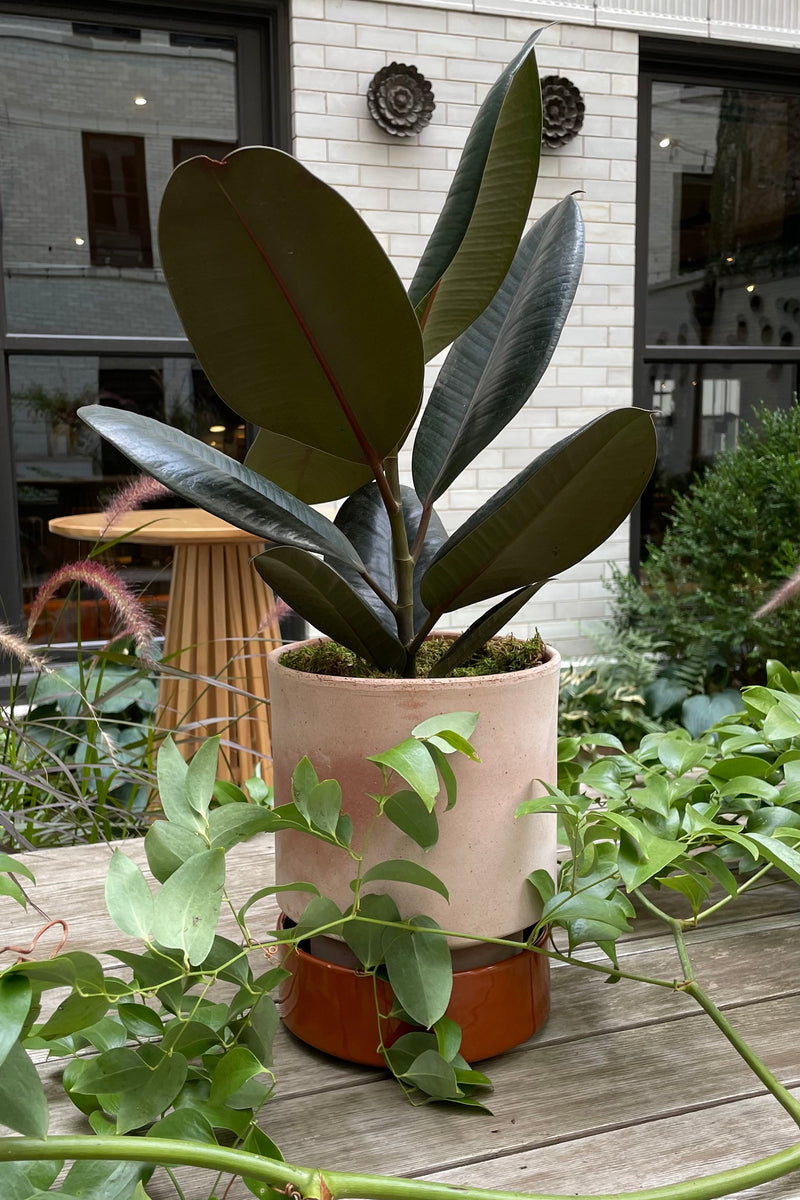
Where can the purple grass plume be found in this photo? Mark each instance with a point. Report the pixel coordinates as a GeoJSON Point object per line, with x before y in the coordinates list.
{"type": "Point", "coordinates": [129, 610]}
{"type": "Point", "coordinates": [139, 491]}
{"type": "Point", "coordinates": [14, 646]}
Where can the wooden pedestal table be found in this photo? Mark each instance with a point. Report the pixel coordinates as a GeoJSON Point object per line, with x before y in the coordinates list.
{"type": "Point", "coordinates": [217, 604]}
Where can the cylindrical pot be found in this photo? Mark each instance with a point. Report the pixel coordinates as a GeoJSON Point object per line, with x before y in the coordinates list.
{"type": "Point", "coordinates": [332, 1007]}
{"type": "Point", "coordinates": [483, 854]}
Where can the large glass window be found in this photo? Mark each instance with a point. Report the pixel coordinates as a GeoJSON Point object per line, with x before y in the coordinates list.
{"type": "Point", "coordinates": [93, 118]}
{"type": "Point", "coordinates": [718, 277]}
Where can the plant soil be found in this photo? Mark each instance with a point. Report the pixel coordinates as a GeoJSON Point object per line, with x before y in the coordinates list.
{"type": "Point", "coordinates": [499, 656]}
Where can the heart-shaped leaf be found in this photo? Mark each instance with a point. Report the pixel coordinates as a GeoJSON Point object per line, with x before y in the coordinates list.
{"type": "Point", "coordinates": [187, 907]}
{"type": "Point", "coordinates": [420, 972]}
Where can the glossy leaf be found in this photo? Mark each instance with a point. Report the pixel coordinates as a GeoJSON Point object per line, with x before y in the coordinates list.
{"type": "Point", "coordinates": [550, 516]}
{"type": "Point", "coordinates": [258, 1143]}
{"type": "Point", "coordinates": [9, 863]}
{"type": "Point", "coordinates": [412, 762]}
{"type": "Point", "coordinates": [367, 941]}
{"type": "Point", "coordinates": [446, 774]}
{"type": "Point", "coordinates": [187, 907]}
{"type": "Point", "coordinates": [15, 1003]}
{"type": "Point", "coordinates": [408, 812]}
{"type": "Point", "coordinates": [313, 588]}
{"type": "Point", "coordinates": [364, 521]}
{"type": "Point", "coordinates": [448, 1038]}
{"type": "Point", "coordinates": [420, 972]}
{"type": "Point", "coordinates": [23, 1106]}
{"type": "Point", "coordinates": [272, 890]}
{"type": "Point", "coordinates": [785, 858]}
{"type": "Point", "coordinates": [319, 913]}
{"type": "Point", "coordinates": [483, 630]}
{"type": "Point", "coordinates": [128, 898]}
{"type": "Point", "coordinates": [477, 233]}
{"type": "Point", "coordinates": [22, 1180]}
{"type": "Point", "coordinates": [494, 366]}
{"type": "Point", "coordinates": [262, 1025]}
{"type": "Point", "coordinates": [679, 755]}
{"type": "Point", "coordinates": [263, 306]}
{"type": "Point", "coordinates": [74, 1013]}
{"type": "Point", "coordinates": [310, 475]}
{"type": "Point", "coordinates": [139, 1020]}
{"type": "Point", "coordinates": [217, 483]}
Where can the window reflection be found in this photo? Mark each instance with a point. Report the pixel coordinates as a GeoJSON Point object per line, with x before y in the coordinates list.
{"type": "Point", "coordinates": [63, 468]}
{"type": "Point", "coordinates": [724, 221]}
{"type": "Point", "coordinates": [94, 118]}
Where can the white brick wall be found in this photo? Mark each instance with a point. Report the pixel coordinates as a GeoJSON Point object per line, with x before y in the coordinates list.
{"type": "Point", "coordinates": [399, 185]}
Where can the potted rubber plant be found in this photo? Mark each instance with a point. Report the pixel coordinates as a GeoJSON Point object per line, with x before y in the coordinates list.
{"type": "Point", "coordinates": [304, 328]}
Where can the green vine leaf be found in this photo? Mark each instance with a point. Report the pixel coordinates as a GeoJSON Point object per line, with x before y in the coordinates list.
{"type": "Point", "coordinates": [23, 1106]}
{"type": "Point", "coordinates": [187, 907]}
{"type": "Point", "coordinates": [128, 898]}
{"type": "Point", "coordinates": [400, 870]}
{"type": "Point", "coordinates": [420, 971]}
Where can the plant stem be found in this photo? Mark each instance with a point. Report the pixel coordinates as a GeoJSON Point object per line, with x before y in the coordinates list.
{"type": "Point", "coordinates": [781, 1094]}
{"type": "Point", "coordinates": [727, 899]}
{"type": "Point", "coordinates": [341, 1185]}
{"type": "Point", "coordinates": [693, 989]}
{"type": "Point", "coordinates": [403, 562]}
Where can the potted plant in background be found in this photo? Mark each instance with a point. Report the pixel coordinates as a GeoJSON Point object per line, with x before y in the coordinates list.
{"type": "Point", "coordinates": [304, 328]}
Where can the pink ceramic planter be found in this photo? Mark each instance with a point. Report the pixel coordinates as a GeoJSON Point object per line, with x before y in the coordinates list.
{"type": "Point", "coordinates": [483, 854]}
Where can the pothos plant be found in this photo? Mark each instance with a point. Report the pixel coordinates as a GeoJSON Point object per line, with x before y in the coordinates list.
{"type": "Point", "coordinates": [182, 1044]}
{"type": "Point", "coordinates": [304, 329]}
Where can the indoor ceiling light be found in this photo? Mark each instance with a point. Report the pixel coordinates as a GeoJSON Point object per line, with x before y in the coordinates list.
{"type": "Point", "coordinates": [751, 287]}
{"type": "Point", "coordinates": [216, 429]}
{"type": "Point", "coordinates": [79, 241]}
{"type": "Point", "coordinates": [140, 100]}
{"type": "Point", "coordinates": [665, 141]}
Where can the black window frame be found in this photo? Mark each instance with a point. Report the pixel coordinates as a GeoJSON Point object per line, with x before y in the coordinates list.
{"type": "Point", "coordinates": [261, 31]}
{"type": "Point", "coordinates": [680, 60]}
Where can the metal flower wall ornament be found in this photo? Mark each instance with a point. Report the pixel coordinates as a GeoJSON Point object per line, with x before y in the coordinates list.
{"type": "Point", "coordinates": [400, 99]}
{"type": "Point", "coordinates": [562, 111]}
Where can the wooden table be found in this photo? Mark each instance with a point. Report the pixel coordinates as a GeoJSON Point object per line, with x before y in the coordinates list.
{"type": "Point", "coordinates": [216, 607]}
{"type": "Point", "coordinates": [627, 1086]}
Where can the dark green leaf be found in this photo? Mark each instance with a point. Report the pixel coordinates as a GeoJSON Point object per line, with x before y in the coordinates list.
{"type": "Point", "coordinates": [641, 854]}
{"type": "Point", "coordinates": [232, 1074]}
{"type": "Point", "coordinates": [187, 907]}
{"type": "Point", "coordinates": [548, 517]}
{"type": "Point", "coordinates": [75, 1013]}
{"type": "Point", "coordinates": [679, 755]}
{"type": "Point", "coordinates": [318, 913]}
{"type": "Point", "coordinates": [97, 1180]}
{"type": "Point", "coordinates": [128, 898]}
{"type": "Point", "coordinates": [258, 1143]}
{"type": "Point", "coordinates": [190, 1038]}
{"type": "Point", "coordinates": [309, 474]}
{"type": "Point", "coordinates": [446, 774]}
{"type": "Point", "coordinates": [272, 890]}
{"type": "Point", "coordinates": [477, 233]}
{"type": "Point", "coordinates": [260, 1030]}
{"type": "Point", "coordinates": [409, 812]}
{"type": "Point", "coordinates": [716, 868]}
{"type": "Point", "coordinates": [483, 629]}
{"type": "Point", "coordinates": [184, 1125]}
{"type": "Point", "coordinates": [323, 805]}
{"type": "Point", "coordinates": [22, 1180]}
{"type": "Point", "coordinates": [139, 1020]}
{"type": "Point", "coordinates": [542, 882]}
{"type": "Point", "coordinates": [143, 1105]}
{"type": "Point", "coordinates": [699, 713]}
{"type": "Point", "coordinates": [23, 1106]}
{"type": "Point", "coordinates": [218, 483]}
{"type": "Point", "coordinates": [420, 971]}
{"type": "Point", "coordinates": [400, 870]}
{"type": "Point", "coordinates": [365, 521]}
{"type": "Point", "coordinates": [117, 1070]}
{"type": "Point", "coordinates": [289, 355]}
{"type": "Point", "coordinates": [15, 1003]}
{"type": "Point", "coordinates": [405, 1049]}
{"type": "Point", "coordinates": [367, 941]}
{"type": "Point", "coordinates": [495, 365]}
{"type": "Point", "coordinates": [312, 588]}
{"type": "Point", "coordinates": [786, 858]}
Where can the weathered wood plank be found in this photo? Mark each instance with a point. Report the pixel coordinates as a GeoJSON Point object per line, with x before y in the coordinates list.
{"type": "Point", "coordinates": [654, 1154]}
{"type": "Point", "coordinates": [555, 1092]}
